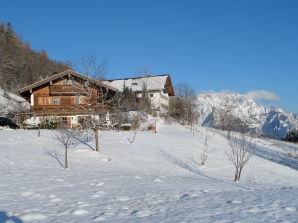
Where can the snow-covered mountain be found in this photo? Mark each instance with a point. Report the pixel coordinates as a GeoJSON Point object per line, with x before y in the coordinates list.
{"type": "Point", "coordinates": [270, 121]}
{"type": "Point", "coordinates": [10, 103]}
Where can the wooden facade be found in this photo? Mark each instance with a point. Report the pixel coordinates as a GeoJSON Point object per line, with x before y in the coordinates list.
{"type": "Point", "coordinates": [67, 93]}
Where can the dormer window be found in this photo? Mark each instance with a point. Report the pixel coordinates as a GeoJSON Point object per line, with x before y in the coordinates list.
{"type": "Point", "coordinates": [65, 82]}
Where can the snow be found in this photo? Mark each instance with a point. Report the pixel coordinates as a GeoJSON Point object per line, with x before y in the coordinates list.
{"type": "Point", "coordinates": [158, 178]}
{"type": "Point", "coordinates": [152, 82]}
{"type": "Point", "coordinates": [11, 103]}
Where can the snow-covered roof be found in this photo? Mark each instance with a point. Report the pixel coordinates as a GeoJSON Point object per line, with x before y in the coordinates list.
{"type": "Point", "coordinates": [156, 82]}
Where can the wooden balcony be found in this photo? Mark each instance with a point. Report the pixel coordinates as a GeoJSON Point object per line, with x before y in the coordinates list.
{"type": "Point", "coordinates": [65, 90]}
{"type": "Point", "coordinates": [66, 109]}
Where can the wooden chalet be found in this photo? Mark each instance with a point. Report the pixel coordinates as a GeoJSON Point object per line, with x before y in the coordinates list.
{"type": "Point", "coordinates": [67, 94]}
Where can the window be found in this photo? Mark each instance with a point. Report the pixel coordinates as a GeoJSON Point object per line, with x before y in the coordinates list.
{"type": "Point", "coordinates": [56, 101]}
{"type": "Point", "coordinates": [64, 120]}
{"type": "Point", "coordinates": [165, 90]}
{"type": "Point", "coordinates": [135, 84]}
{"type": "Point", "coordinates": [73, 82]}
{"type": "Point", "coordinates": [151, 95]}
{"type": "Point", "coordinates": [78, 100]}
{"type": "Point", "coordinates": [44, 100]}
{"type": "Point", "coordinates": [65, 82]}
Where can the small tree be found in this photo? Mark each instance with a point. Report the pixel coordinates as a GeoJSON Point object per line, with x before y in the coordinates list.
{"type": "Point", "coordinates": [204, 153]}
{"type": "Point", "coordinates": [68, 138]}
{"type": "Point", "coordinates": [240, 152]}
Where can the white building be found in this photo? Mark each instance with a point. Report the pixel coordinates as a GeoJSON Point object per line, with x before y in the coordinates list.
{"type": "Point", "coordinates": [159, 87]}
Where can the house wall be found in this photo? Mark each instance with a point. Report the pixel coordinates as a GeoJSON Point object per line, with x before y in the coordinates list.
{"type": "Point", "coordinates": [42, 98]}
{"type": "Point", "coordinates": [159, 101]}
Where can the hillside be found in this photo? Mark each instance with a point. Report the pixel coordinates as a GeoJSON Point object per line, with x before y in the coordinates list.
{"type": "Point", "coordinates": [158, 178]}
{"type": "Point", "coordinates": [20, 65]}
{"type": "Point", "coordinates": [270, 121]}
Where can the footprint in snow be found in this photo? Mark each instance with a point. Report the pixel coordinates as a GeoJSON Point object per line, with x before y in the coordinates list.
{"type": "Point", "coordinates": [99, 184]}
{"type": "Point", "coordinates": [98, 194]}
{"type": "Point", "coordinates": [33, 217]}
{"type": "Point", "coordinates": [31, 195]}
{"type": "Point", "coordinates": [123, 198]}
{"type": "Point", "coordinates": [83, 204]}
{"type": "Point", "coordinates": [290, 209]}
{"type": "Point", "coordinates": [99, 218]}
{"type": "Point", "coordinates": [234, 202]}
{"type": "Point", "coordinates": [184, 196]}
{"type": "Point", "coordinates": [54, 200]}
{"type": "Point", "coordinates": [142, 213]}
{"type": "Point", "coordinates": [27, 194]}
{"type": "Point", "coordinates": [63, 213]}
{"type": "Point", "coordinates": [80, 212]}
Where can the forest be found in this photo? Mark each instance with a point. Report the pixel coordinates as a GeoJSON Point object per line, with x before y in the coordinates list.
{"type": "Point", "coordinates": [20, 65]}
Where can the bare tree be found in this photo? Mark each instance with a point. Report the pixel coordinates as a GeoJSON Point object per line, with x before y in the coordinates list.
{"type": "Point", "coordinates": [94, 99]}
{"type": "Point", "coordinates": [68, 138]}
{"type": "Point", "coordinates": [88, 64]}
{"type": "Point", "coordinates": [240, 151]}
{"type": "Point", "coordinates": [143, 70]}
{"type": "Point", "coordinates": [183, 106]}
{"type": "Point", "coordinates": [96, 110]}
{"type": "Point", "coordinates": [224, 117]}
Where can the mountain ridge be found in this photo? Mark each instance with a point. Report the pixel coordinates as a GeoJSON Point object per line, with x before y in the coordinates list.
{"type": "Point", "coordinates": [271, 121]}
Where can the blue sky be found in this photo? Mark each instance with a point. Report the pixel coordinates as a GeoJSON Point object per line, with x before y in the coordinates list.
{"type": "Point", "coordinates": [214, 45]}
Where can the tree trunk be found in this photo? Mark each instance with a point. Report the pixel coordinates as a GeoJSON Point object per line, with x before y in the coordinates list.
{"type": "Point", "coordinates": [239, 173]}
{"type": "Point", "coordinates": [236, 175]}
{"type": "Point", "coordinates": [96, 140]}
{"type": "Point", "coordinates": [65, 159]}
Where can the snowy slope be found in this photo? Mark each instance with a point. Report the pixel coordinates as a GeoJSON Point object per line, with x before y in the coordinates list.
{"type": "Point", "coordinates": [10, 103]}
{"type": "Point", "coordinates": [270, 121]}
{"type": "Point", "coordinates": [158, 178]}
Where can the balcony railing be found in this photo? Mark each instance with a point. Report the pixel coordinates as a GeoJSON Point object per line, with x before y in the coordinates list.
{"type": "Point", "coordinates": [65, 89]}
{"type": "Point", "coordinates": [67, 109]}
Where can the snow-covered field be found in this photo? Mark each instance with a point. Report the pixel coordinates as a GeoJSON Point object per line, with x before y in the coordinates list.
{"type": "Point", "coordinates": [158, 178]}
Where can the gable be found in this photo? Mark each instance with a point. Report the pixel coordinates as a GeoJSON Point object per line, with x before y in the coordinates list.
{"type": "Point", "coordinates": [60, 76]}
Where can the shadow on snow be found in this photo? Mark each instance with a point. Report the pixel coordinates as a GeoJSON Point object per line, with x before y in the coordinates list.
{"type": "Point", "coordinates": [275, 156]}
{"type": "Point", "coordinates": [11, 219]}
